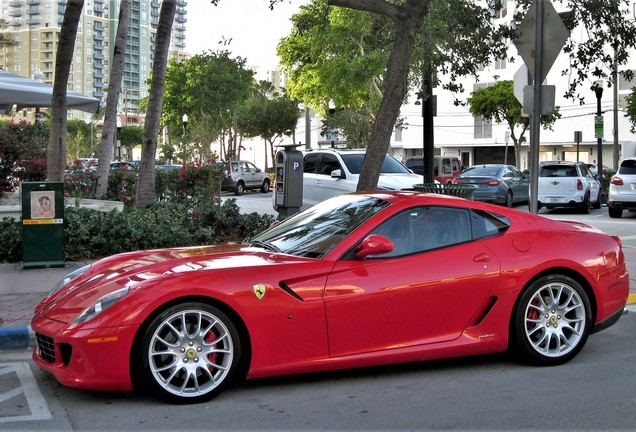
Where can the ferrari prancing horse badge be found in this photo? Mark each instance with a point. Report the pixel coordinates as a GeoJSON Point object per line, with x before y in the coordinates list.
{"type": "Point", "coordinates": [259, 290]}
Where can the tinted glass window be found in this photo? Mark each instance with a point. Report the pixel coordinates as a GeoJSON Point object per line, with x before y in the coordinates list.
{"type": "Point", "coordinates": [486, 224]}
{"type": "Point", "coordinates": [627, 167]}
{"type": "Point", "coordinates": [311, 162]}
{"type": "Point", "coordinates": [328, 163]}
{"type": "Point", "coordinates": [389, 166]}
{"type": "Point", "coordinates": [558, 171]}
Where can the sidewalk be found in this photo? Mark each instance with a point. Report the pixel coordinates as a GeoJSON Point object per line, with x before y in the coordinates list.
{"type": "Point", "coordinates": [21, 290]}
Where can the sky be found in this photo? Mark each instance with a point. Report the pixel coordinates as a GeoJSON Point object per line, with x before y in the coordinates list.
{"type": "Point", "coordinates": [254, 30]}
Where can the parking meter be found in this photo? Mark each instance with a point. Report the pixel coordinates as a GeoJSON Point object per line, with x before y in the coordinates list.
{"type": "Point", "coordinates": [288, 194]}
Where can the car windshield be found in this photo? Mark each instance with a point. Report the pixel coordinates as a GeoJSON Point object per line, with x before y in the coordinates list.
{"type": "Point", "coordinates": [389, 166]}
{"type": "Point", "coordinates": [317, 230]}
{"type": "Point", "coordinates": [481, 171]}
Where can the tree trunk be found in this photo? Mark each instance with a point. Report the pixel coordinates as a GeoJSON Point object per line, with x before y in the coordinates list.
{"type": "Point", "coordinates": [56, 152]}
{"type": "Point", "coordinates": [408, 20]}
{"type": "Point", "coordinates": [145, 195]}
{"type": "Point", "coordinates": [109, 130]}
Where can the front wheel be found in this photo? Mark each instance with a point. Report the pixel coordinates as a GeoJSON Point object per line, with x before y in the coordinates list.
{"type": "Point", "coordinates": [189, 353]}
{"type": "Point", "coordinates": [239, 189]}
{"type": "Point", "coordinates": [265, 187]}
{"type": "Point", "coordinates": [551, 322]}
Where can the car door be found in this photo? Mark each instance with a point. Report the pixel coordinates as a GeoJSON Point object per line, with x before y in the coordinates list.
{"type": "Point", "coordinates": [310, 164]}
{"type": "Point", "coordinates": [423, 296]}
{"type": "Point", "coordinates": [327, 186]}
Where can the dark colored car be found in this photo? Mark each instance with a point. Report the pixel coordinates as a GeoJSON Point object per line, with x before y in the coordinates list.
{"type": "Point", "coordinates": [496, 183]}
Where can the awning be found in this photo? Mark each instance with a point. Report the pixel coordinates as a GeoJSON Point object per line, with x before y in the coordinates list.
{"type": "Point", "coordinates": [27, 92]}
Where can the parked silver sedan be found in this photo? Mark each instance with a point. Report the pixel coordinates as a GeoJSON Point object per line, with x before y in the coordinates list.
{"type": "Point", "coordinates": [496, 183]}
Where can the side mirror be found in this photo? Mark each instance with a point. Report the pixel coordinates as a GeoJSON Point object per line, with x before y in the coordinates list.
{"type": "Point", "coordinates": [336, 174]}
{"type": "Point", "coordinates": [374, 244]}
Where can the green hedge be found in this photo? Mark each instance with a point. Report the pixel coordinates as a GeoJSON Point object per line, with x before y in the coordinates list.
{"type": "Point", "coordinates": [91, 234]}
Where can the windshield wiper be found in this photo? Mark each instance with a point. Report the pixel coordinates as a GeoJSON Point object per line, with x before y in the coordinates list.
{"type": "Point", "coordinates": [264, 245]}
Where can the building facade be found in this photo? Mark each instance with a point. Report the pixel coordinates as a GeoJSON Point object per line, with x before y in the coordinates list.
{"type": "Point", "coordinates": [35, 26]}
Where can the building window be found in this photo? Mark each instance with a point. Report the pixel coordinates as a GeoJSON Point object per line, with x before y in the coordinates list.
{"type": "Point", "coordinates": [500, 63]}
{"type": "Point", "coordinates": [501, 8]}
{"type": "Point", "coordinates": [398, 134]}
{"type": "Point", "coordinates": [483, 128]}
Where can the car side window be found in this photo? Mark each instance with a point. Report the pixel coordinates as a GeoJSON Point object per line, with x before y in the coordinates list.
{"type": "Point", "coordinates": [486, 224]}
{"type": "Point", "coordinates": [425, 228]}
{"type": "Point", "coordinates": [311, 163]}
{"type": "Point", "coordinates": [327, 164]}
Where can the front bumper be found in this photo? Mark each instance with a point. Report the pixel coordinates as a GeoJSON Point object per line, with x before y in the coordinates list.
{"type": "Point", "coordinates": [81, 357]}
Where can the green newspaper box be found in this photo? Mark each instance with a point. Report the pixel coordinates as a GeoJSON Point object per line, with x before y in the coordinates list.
{"type": "Point", "coordinates": [42, 224]}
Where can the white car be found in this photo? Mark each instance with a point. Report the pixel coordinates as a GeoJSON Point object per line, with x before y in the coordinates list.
{"type": "Point", "coordinates": [622, 189]}
{"type": "Point", "coordinates": [568, 184]}
{"type": "Point", "coordinates": [331, 172]}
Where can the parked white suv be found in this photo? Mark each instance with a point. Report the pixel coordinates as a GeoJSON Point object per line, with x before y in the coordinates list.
{"type": "Point", "coordinates": [568, 184]}
{"type": "Point", "coordinates": [331, 172]}
{"type": "Point", "coordinates": [622, 189]}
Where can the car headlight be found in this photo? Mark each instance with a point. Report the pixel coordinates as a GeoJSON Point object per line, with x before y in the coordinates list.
{"type": "Point", "coordinates": [100, 305]}
{"type": "Point", "coordinates": [68, 278]}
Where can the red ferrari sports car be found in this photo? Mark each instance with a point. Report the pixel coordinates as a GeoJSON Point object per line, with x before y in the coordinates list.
{"type": "Point", "coordinates": [358, 280]}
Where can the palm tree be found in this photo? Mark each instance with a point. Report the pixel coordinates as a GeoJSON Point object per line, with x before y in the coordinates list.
{"type": "Point", "coordinates": [114, 86]}
{"type": "Point", "coordinates": [5, 40]}
{"type": "Point", "coordinates": [145, 195]}
{"type": "Point", "coordinates": [56, 154]}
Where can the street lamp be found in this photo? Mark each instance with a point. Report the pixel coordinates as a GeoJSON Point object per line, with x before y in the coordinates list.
{"type": "Point", "coordinates": [598, 129]}
{"type": "Point", "coordinates": [184, 119]}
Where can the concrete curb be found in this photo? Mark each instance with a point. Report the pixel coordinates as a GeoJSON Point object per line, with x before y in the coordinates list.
{"type": "Point", "coordinates": [16, 337]}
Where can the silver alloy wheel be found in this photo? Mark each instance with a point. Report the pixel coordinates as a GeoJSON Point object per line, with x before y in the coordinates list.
{"type": "Point", "coordinates": [555, 319]}
{"type": "Point", "coordinates": [190, 353]}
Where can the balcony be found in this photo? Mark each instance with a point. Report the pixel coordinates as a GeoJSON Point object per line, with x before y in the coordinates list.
{"type": "Point", "coordinates": [155, 4]}
{"type": "Point", "coordinates": [98, 37]}
{"type": "Point", "coordinates": [98, 93]}
{"type": "Point", "coordinates": [98, 9]}
{"type": "Point", "coordinates": [98, 56]}
{"type": "Point", "coordinates": [15, 12]}
{"type": "Point", "coordinates": [98, 75]}
{"type": "Point", "coordinates": [98, 1]}
{"type": "Point", "coordinates": [33, 21]}
{"type": "Point", "coordinates": [181, 19]}
{"type": "Point", "coordinates": [33, 2]}
{"type": "Point", "coordinates": [33, 11]}
{"type": "Point", "coordinates": [98, 84]}
{"type": "Point", "coordinates": [62, 2]}
{"type": "Point", "coordinates": [182, 3]}
{"type": "Point", "coordinates": [99, 66]}
{"type": "Point", "coordinates": [15, 3]}
{"type": "Point", "coordinates": [98, 47]}
{"type": "Point", "coordinates": [98, 27]}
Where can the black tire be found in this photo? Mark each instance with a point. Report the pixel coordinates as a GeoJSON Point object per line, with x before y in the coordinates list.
{"type": "Point", "coordinates": [551, 321]}
{"type": "Point", "coordinates": [615, 212]}
{"type": "Point", "coordinates": [597, 204]}
{"type": "Point", "coordinates": [586, 205]}
{"type": "Point", "coordinates": [265, 187]}
{"type": "Point", "coordinates": [180, 364]}
{"type": "Point", "coordinates": [509, 199]}
{"type": "Point", "coordinates": [239, 189]}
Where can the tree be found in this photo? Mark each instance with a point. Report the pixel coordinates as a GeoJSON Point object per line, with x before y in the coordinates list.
{"type": "Point", "coordinates": [270, 119]}
{"type": "Point", "coordinates": [56, 154]}
{"type": "Point", "coordinates": [499, 103]}
{"type": "Point", "coordinates": [145, 194]}
{"type": "Point", "coordinates": [353, 124]}
{"type": "Point", "coordinates": [208, 88]}
{"type": "Point", "coordinates": [5, 40]}
{"type": "Point", "coordinates": [130, 137]}
{"type": "Point", "coordinates": [456, 37]}
{"type": "Point", "coordinates": [114, 86]}
{"type": "Point", "coordinates": [630, 109]}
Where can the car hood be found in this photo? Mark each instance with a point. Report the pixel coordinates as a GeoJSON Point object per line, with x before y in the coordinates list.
{"type": "Point", "coordinates": [139, 270]}
{"type": "Point", "coordinates": [398, 181]}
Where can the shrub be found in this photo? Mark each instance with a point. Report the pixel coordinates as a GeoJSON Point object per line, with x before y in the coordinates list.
{"type": "Point", "coordinates": [91, 234]}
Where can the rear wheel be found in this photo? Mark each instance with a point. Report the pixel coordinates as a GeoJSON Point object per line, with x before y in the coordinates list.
{"type": "Point", "coordinates": [189, 353]}
{"type": "Point", "coordinates": [552, 321]}
{"type": "Point", "coordinates": [509, 199]}
{"type": "Point", "coordinates": [586, 205]}
{"type": "Point", "coordinates": [615, 212]}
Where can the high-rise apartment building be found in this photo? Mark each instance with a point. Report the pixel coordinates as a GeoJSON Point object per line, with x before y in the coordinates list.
{"type": "Point", "coordinates": [35, 26]}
